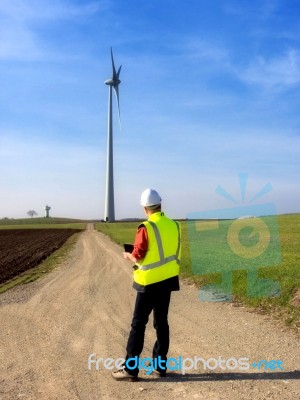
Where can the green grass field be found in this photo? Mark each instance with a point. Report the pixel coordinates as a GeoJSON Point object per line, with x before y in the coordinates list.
{"type": "Point", "coordinates": [43, 223]}
{"type": "Point", "coordinates": [286, 306]}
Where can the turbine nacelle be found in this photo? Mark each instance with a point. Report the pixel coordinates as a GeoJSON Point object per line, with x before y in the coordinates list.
{"type": "Point", "coordinates": [112, 82]}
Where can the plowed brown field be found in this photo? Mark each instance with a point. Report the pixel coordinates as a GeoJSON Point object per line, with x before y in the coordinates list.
{"type": "Point", "coordinates": [22, 249]}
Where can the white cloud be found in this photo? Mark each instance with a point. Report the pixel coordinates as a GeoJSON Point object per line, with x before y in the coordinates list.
{"type": "Point", "coordinates": [19, 21]}
{"type": "Point", "coordinates": [204, 50]}
{"type": "Point", "coordinates": [260, 10]}
{"type": "Point", "coordinates": [277, 73]}
{"type": "Point", "coordinates": [18, 42]}
{"type": "Point", "coordinates": [25, 10]}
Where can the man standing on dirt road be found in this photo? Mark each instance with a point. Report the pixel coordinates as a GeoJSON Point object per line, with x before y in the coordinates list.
{"type": "Point", "coordinates": [156, 253]}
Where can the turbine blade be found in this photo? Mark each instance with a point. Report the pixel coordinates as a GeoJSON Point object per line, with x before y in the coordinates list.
{"type": "Point", "coordinates": [113, 64]}
{"type": "Point", "coordinates": [116, 88]}
{"type": "Point", "coordinates": [119, 70]}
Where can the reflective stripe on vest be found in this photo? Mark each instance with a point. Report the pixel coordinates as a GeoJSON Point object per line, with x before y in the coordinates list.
{"type": "Point", "coordinates": [162, 259]}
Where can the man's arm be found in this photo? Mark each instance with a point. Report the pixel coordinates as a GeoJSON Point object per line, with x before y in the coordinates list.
{"type": "Point", "coordinates": [140, 246]}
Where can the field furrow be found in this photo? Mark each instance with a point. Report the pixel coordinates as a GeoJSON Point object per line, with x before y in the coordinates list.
{"type": "Point", "coordinates": [23, 249]}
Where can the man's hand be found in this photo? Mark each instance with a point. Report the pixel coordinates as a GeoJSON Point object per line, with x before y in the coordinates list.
{"type": "Point", "coordinates": [129, 256]}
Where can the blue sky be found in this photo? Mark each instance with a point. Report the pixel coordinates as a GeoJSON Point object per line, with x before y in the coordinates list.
{"type": "Point", "coordinates": [210, 89]}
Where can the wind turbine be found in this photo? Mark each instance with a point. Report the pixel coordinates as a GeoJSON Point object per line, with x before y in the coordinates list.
{"type": "Point", "coordinates": [113, 83]}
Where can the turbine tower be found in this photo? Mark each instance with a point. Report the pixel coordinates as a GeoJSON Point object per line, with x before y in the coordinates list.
{"type": "Point", "coordinates": [113, 83]}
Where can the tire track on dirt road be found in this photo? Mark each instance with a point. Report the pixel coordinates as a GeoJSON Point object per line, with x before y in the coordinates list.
{"type": "Point", "coordinates": [49, 328]}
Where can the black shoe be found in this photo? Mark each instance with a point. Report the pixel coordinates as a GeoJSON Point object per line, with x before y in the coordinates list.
{"type": "Point", "coordinates": [160, 374]}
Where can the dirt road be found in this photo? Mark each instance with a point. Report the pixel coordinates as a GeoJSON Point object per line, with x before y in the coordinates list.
{"type": "Point", "coordinates": [49, 328]}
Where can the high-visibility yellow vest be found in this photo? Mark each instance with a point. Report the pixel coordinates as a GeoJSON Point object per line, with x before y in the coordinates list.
{"type": "Point", "coordinates": [163, 255]}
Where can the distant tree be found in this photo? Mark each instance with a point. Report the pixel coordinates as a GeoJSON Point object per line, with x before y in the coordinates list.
{"type": "Point", "coordinates": [31, 213]}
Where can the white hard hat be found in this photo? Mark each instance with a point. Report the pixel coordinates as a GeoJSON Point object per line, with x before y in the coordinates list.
{"type": "Point", "coordinates": [150, 197]}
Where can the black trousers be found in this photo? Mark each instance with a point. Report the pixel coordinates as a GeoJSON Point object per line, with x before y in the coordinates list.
{"type": "Point", "coordinates": [158, 301]}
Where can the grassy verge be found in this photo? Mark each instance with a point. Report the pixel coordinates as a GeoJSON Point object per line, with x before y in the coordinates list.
{"type": "Point", "coordinates": [119, 232]}
{"type": "Point", "coordinates": [45, 223]}
{"type": "Point", "coordinates": [285, 307]}
{"type": "Point", "coordinates": [74, 225]}
{"type": "Point", "coordinates": [53, 261]}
